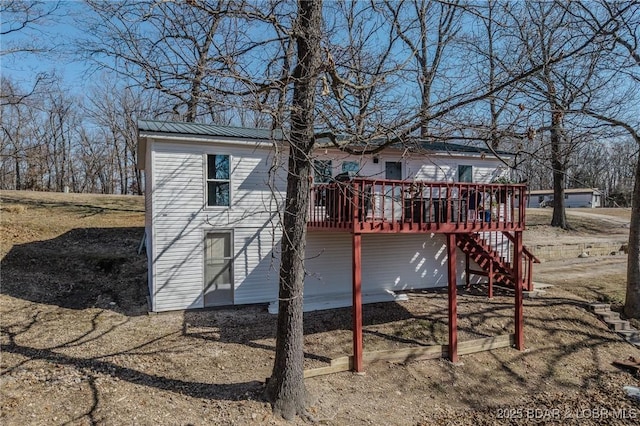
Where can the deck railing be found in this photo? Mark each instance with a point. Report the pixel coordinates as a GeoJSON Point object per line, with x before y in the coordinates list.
{"type": "Point", "coordinates": [368, 205]}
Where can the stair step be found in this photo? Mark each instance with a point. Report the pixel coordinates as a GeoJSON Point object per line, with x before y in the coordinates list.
{"type": "Point", "coordinates": [619, 325]}
{"type": "Point", "coordinates": [542, 285]}
{"type": "Point", "coordinates": [630, 334]}
{"type": "Point", "coordinates": [609, 316]}
{"type": "Point", "coordinates": [532, 294]}
{"type": "Point", "coordinates": [635, 342]}
{"type": "Point", "coordinates": [599, 307]}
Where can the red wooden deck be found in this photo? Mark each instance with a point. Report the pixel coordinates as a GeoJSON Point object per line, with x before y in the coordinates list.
{"type": "Point", "coordinates": [388, 206]}
{"type": "Point", "coordinates": [363, 206]}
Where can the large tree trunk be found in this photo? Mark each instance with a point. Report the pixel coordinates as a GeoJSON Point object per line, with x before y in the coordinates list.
{"type": "Point", "coordinates": [559, 217]}
{"type": "Point", "coordinates": [632, 301]}
{"type": "Point", "coordinates": [286, 390]}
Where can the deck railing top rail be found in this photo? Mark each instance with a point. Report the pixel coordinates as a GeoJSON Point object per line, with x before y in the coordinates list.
{"type": "Point", "coordinates": [374, 205]}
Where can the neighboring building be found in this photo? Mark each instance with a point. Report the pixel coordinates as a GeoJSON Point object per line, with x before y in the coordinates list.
{"type": "Point", "coordinates": [578, 197]}
{"type": "Point", "coordinates": [213, 196]}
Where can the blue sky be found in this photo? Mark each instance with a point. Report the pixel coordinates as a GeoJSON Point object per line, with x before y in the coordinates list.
{"type": "Point", "coordinates": [57, 36]}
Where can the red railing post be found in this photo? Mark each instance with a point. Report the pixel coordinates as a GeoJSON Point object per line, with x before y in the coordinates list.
{"type": "Point", "coordinates": [355, 205]}
{"type": "Point", "coordinates": [530, 274]}
{"type": "Point", "coordinates": [418, 206]}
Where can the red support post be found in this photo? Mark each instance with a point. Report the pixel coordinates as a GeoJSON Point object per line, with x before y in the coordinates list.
{"type": "Point", "coordinates": [529, 274]}
{"type": "Point", "coordinates": [452, 293]}
{"type": "Point", "coordinates": [357, 302]}
{"type": "Point", "coordinates": [517, 272]}
{"type": "Point", "coordinates": [467, 269]}
{"type": "Point", "coordinates": [490, 279]}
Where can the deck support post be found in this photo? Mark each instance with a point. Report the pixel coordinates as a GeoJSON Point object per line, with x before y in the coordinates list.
{"type": "Point", "coordinates": [452, 295]}
{"type": "Point", "coordinates": [357, 302]}
{"type": "Point", "coordinates": [490, 279]}
{"type": "Point", "coordinates": [517, 272]}
{"type": "Point", "coordinates": [467, 270]}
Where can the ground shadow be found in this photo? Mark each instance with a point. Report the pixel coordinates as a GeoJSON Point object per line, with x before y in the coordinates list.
{"type": "Point", "coordinates": [245, 324]}
{"type": "Point", "coordinates": [82, 268]}
{"type": "Point", "coordinates": [227, 391]}
{"type": "Point", "coordinates": [254, 327]}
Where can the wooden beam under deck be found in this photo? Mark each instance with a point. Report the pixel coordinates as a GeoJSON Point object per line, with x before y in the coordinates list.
{"type": "Point", "coordinates": [452, 296]}
{"type": "Point", "coordinates": [418, 353]}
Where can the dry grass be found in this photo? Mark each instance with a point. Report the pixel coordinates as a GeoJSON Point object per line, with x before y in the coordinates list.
{"type": "Point", "coordinates": [588, 221]}
{"type": "Point", "coordinates": [600, 279]}
{"type": "Point", "coordinates": [77, 347]}
{"type": "Point", "coordinates": [32, 216]}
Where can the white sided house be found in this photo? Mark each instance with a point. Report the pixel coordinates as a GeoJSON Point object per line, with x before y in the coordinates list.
{"type": "Point", "coordinates": [575, 197]}
{"type": "Point", "coordinates": [213, 196]}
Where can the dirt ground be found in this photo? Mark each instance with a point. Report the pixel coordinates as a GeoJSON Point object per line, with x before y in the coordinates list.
{"type": "Point", "coordinates": [78, 346]}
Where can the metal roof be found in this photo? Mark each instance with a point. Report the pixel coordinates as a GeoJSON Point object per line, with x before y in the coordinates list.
{"type": "Point", "coordinates": [178, 128]}
{"type": "Point", "coordinates": [567, 191]}
{"type": "Point", "coordinates": [182, 128]}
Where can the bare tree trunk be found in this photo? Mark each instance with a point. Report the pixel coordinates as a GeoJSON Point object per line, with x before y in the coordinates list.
{"type": "Point", "coordinates": [632, 300]}
{"type": "Point", "coordinates": [286, 390]}
{"type": "Point", "coordinates": [18, 178]}
{"type": "Point", "coordinates": [559, 217]}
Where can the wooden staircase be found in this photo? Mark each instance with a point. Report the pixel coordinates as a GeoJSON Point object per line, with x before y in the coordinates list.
{"type": "Point", "coordinates": [495, 262]}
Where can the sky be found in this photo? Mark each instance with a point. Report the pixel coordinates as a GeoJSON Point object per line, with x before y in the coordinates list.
{"type": "Point", "coordinates": [56, 36]}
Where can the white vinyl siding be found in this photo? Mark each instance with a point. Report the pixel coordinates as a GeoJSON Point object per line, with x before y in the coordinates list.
{"type": "Point", "coordinates": [148, 222]}
{"type": "Point", "coordinates": [389, 263]}
{"type": "Point", "coordinates": [178, 220]}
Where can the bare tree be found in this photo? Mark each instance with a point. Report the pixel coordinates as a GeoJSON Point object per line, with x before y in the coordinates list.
{"type": "Point", "coordinates": [286, 388]}
{"type": "Point", "coordinates": [20, 16]}
{"type": "Point", "coordinates": [427, 28]}
{"type": "Point", "coordinates": [289, 70]}
{"type": "Point", "coordinates": [176, 48]}
{"type": "Point", "coordinates": [547, 30]}
{"type": "Point", "coordinates": [621, 21]}
{"type": "Point", "coordinates": [116, 109]}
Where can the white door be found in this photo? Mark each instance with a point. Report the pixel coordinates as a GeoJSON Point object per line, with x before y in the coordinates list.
{"type": "Point", "coordinates": [218, 269]}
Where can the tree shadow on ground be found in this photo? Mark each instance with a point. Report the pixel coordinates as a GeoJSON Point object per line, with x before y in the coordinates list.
{"type": "Point", "coordinates": [101, 365]}
{"type": "Point", "coordinates": [253, 326]}
{"type": "Point", "coordinates": [82, 268]}
{"type": "Point", "coordinates": [227, 391]}
{"type": "Point", "coordinates": [244, 324]}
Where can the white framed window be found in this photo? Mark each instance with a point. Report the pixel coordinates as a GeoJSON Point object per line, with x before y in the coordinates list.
{"type": "Point", "coordinates": [218, 174]}
{"type": "Point", "coordinates": [323, 170]}
{"type": "Point", "coordinates": [350, 166]}
{"type": "Point", "coordinates": [465, 173]}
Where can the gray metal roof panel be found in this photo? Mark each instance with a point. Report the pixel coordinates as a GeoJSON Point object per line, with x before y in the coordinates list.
{"type": "Point", "coordinates": [175, 127]}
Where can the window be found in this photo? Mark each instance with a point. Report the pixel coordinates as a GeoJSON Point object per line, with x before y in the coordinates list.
{"type": "Point", "coordinates": [218, 269]}
{"type": "Point", "coordinates": [350, 166]}
{"type": "Point", "coordinates": [465, 174]}
{"type": "Point", "coordinates": [322, 171]}
{"type": "Point", "coordinates": [218, 180]}
{"type": "Point", "coordinates": [540, 198]}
